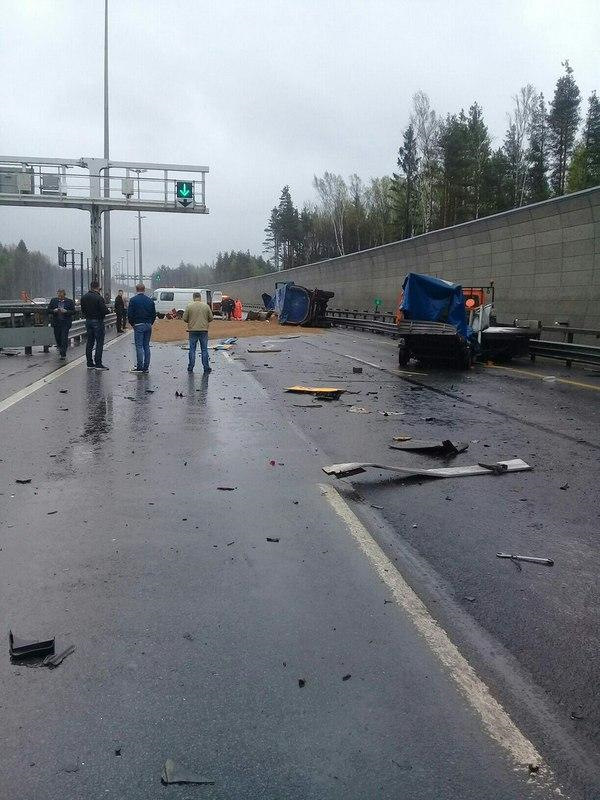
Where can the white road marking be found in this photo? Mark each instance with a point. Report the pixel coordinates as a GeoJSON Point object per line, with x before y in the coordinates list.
{"type": "Point", "coordinates": [495, 719]}
{"type": "Point", "coordinates": [15, 398]}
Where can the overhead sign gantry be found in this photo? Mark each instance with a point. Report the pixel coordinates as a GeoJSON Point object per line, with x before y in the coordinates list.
{"type": "Point", "coordinates": [79, 183]}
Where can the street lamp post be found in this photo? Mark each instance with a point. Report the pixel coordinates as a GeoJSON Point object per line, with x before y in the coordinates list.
{"type": "Point", "coordinates": [107, 262]}
{"type": "Point", "coordinates": [141, 271]}
{"type": "Point", "coordinates": [134, 240]}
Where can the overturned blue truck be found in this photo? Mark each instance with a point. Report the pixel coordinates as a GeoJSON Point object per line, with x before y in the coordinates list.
{"type": "Point", "coordinates": [296, 305]}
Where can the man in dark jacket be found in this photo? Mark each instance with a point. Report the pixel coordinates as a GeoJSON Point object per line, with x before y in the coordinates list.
{"type": "Point", "coordinates": [120, 312]}
{"type": "Point", "coordinates": [94, 309]}
{"type": "Point", "coordinates": [60, 311]}
{"type": "Point", "coordinates": [141, 313]}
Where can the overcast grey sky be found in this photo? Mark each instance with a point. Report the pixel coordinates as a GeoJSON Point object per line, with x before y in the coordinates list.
{"type": "Point", "coordinates": [265, 93]}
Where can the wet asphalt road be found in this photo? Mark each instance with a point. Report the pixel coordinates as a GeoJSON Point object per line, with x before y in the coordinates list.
{"type": "Point", "coordinates": [192, 630]}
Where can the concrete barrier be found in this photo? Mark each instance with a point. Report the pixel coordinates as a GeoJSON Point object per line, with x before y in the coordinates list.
{"type": "Point", "coordinates": [544, 260]}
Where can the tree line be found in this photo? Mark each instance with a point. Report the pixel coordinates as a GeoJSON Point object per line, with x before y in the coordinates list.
{"type": "Point", "coordinates": [228, 266]}
{"type": "Point", "coordinates": [447, 173]}
{"type": "Point", "coordinates": [23, 270]}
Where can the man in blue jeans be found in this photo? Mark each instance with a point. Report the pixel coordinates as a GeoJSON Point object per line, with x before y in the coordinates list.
{"type": "Point", "coordinates": [198, 316]}
{"type": "Point", "coordinates": [141, 313]}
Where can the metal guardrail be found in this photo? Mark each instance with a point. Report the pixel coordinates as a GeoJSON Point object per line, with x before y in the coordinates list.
{"type": "Point", "coordinates": [30, 336]}
{"type": "Point", "coordinates": [565, 351]}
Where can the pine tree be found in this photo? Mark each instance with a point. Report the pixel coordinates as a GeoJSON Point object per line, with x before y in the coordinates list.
{"type": "Point", "coordinates": [563, 121]}
{"type": "Point", "coordinates": [584, 169]}
{"type": "Point", "coordinates": [478, 154]}
{"type": "Point", "coordinates": [537, 188]}
{"type": "Point", "coordinates": [272, 242]}
{"type": "Point", "coordinates": [591, 143]}
{"type": "Point", "coordinates": [408, 162]}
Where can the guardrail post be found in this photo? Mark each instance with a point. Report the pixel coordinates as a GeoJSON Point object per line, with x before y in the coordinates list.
{"type": "Point", "coordinates": [570, 341]}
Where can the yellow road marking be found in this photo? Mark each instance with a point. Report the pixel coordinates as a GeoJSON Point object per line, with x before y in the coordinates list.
{"type": "Point", "coordinates": [541, 377]}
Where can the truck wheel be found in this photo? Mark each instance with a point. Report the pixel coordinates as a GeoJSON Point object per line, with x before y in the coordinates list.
{"type": "Point", "coordinates": [403, 356]}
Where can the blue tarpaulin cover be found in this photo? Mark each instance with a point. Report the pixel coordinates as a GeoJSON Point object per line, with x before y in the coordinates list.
{"type": "Point", "coordinates": [434, 300]}
{"type": "Point", "coordinates": [292, 304]}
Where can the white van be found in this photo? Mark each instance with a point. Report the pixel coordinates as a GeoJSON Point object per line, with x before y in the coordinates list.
{"type": "Point", "coordinates": [168, 298]}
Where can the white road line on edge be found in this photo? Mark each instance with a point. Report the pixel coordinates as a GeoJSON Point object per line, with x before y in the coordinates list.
{"type": "Point", "coordinates": [495, 719]}
{"type": "Point", "coordinates": [15, 398]}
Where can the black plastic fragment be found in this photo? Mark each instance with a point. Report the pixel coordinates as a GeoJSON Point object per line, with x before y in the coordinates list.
{"type": "Point", "coordinates": [29, 647]}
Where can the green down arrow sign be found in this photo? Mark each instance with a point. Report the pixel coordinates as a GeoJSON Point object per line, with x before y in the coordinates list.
{"type": "Point", "coordinates": [184, 192]}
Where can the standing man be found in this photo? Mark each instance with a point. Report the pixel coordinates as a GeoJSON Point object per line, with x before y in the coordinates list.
{"type": "Point", "coordinates": [141, 313]}
{"type": "Point", "coordinates": [120, 312]}
{"type": "Point", "coordinates": [61, 311]}
{"type": "Point", "coordinates": [198, 316]}
{"type": "Point", "coordinates": [94, 309]}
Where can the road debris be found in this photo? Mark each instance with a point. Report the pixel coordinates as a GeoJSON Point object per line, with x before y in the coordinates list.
{"type": "Point", "coordinates": [546, 562]}
{"type": "Point", "coordinates": [347, 677]}
{"type": "Point", "coordinates": [357, 370]}
{"type": "Point", "coordinates": [301, 683]}
{"type": "Point", "coordinates": [264, 350]}
{"type": "Point", "coordinates": [391, 413]}
{"type": "Point", "coordinates": [49, 513]}
{"type": "Point", "coordinates": [23, 480]}
{"type": "Point", "coordinates": [58, 658]}
{"type": "Point", "coordinates": [179, 394]}
{"type": "Point", "coordinates": [173, 773]}
{"type": "Point", "coordinates": [305, 405]}
{"type": "Point", "coordinates": [63, 391]}
{"type": "Point", "coordinates": [359, 410]}
{"type": "Point", "coordinates": [400, 438]}
{"type": "Point", "coordinates": [29, 647]}
{"type": "Point", "coordinates": [496, 469]}
{"type": "Point", "coordinates": [355, 468]}
{"type": "Point", "coordinates": [226, 488]}
{"type": "Point", "coordinates": [272, 538]}
{"type": "Point", "coordinates": [444, 447]}
{"type": "Point", "coordinates": [323, 392]}
{"type": "Point", "coordinates": [564, 487]}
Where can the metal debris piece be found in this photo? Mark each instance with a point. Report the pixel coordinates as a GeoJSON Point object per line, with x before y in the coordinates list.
{"type": "Point", "coordinates": [55, 660]}
{"type": "Point", "coordinates": [178, 394]}
{"type": "Point", "coordinates": [347, 677]}
{"type": "Point", "coordinates": [444, 447]}
{"type": "Point", "coordinates": [173, 773]}
{"type": "Point", "coordinates": [355, 468]}
{"type": "Point", "coordinates": [227, 488]}
{"type": "Point", "coordinates": [564, 487]}
{"type": "Point", "coordinates": [272, 538]}
{"type": "Point", "coordinates": [301, 683]}
{"type": "Point", "coordinates": [497, 469]}
{"type": "Point", "coordinates": [305, 405]}
{"type": "Point", "coordinates": [546, 562]}
{"type": "Point", "coordinates": [23, 480]}
{"type": "Point", "coordinates": [357, 370]}
{"type": "Point", "coordinates": [28, 647]}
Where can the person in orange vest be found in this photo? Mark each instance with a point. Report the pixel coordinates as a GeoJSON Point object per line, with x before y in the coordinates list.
{"type": "Point", "coordinates": [237, 309]}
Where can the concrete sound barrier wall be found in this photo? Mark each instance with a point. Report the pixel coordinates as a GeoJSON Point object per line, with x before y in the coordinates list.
{"type": "Point", "coordinates": [544, 260]}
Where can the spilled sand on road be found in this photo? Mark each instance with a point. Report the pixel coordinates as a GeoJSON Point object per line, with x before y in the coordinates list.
{"type": "Point", "coordinates": [174, 330]}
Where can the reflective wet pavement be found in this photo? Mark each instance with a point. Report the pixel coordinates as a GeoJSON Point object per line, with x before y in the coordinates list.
{"type": "Point", "coordinates": [192, 630]}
